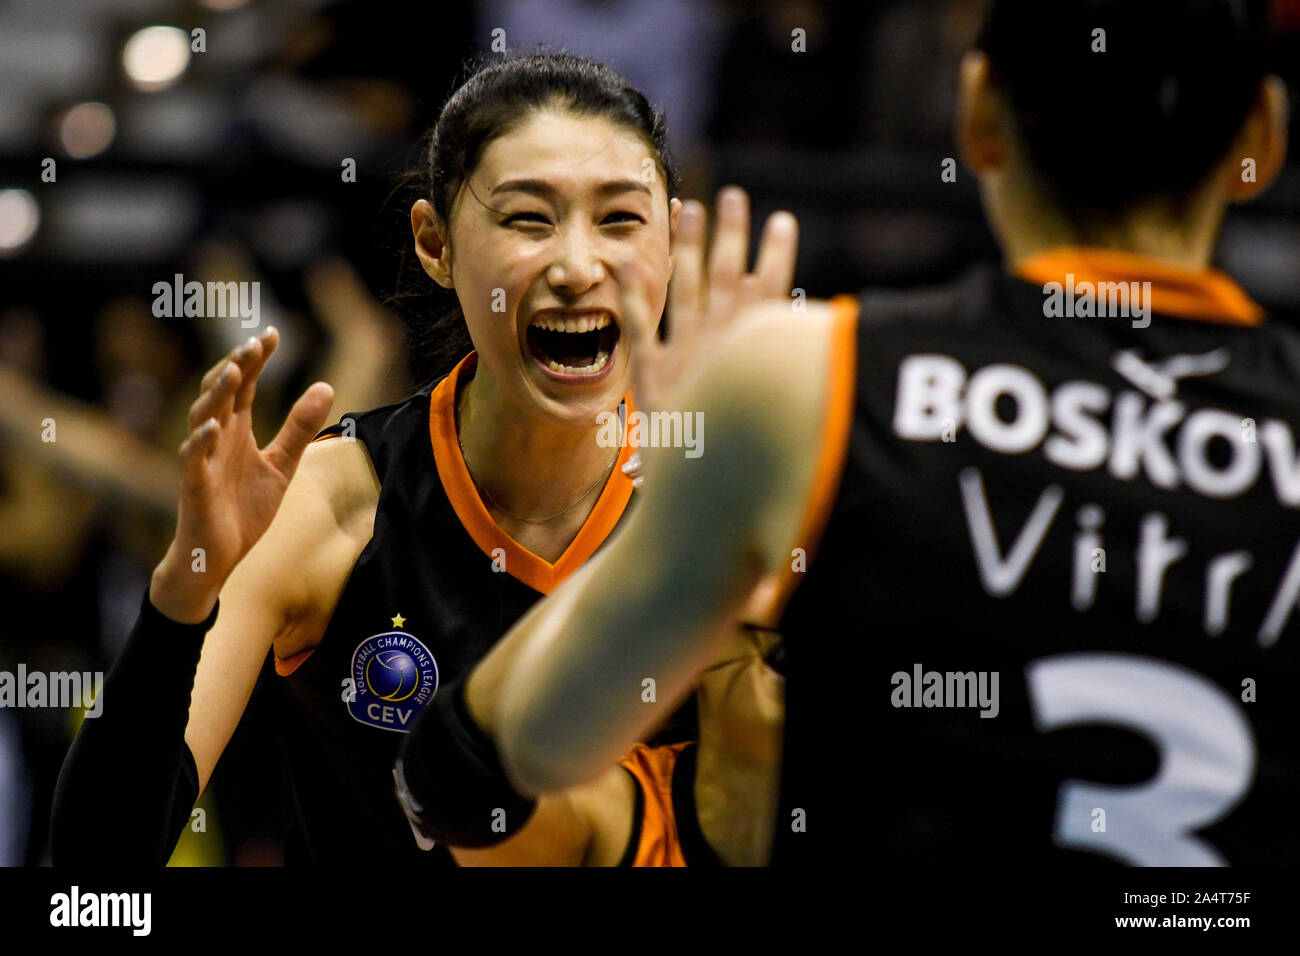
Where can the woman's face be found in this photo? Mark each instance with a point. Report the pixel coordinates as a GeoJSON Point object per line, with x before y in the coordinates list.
{"type": "Point", "coordinates": [535, 233]}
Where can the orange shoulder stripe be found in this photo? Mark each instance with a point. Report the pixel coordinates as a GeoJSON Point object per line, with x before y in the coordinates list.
{"type": "Point", "coordinates": [833, 445]}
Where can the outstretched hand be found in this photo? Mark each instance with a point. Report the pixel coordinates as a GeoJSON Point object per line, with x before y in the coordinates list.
{"type": "Point", "coordinates": [703, 304]}
{"type": "Point", "coordinates": [230, 489]}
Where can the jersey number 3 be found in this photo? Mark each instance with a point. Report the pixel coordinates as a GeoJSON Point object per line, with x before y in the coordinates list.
{"type": "Point", "coordinates": [1206, 755]}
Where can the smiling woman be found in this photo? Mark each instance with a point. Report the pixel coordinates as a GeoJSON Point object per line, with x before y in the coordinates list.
{"type": "Point", "coordinates": [394, 558]}
{"type": "Point", "coordinates": [536, 189]}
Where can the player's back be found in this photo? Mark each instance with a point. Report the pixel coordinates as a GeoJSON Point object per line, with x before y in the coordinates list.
{"type": "Point", "coordinates": [1055, 605]}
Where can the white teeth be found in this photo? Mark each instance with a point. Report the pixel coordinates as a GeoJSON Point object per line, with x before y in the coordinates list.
{"type": "Point", "coordinates": [586, 323]}
{"type": "Point", "coordinates": [601, 358]}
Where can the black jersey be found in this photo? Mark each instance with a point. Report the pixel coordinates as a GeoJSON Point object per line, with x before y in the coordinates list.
{"type": "Point", "coordinates": [1053, 614]}
{"type": "Point", "coordinates": [434, 589]}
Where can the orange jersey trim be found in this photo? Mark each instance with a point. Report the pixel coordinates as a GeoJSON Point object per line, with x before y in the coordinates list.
{"type": "Point", "coordinates": [291, 663]}
{"type": "Point", "coordinates": [833, 445]}
{"type": "Point", "coordinates": [1205, 295]}
{"type": "Point", "coordinates": [536, 572]}
{"type": "Point", "coordinates": [659, 844]}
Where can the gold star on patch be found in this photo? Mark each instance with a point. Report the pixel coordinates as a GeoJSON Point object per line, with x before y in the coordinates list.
{"type": "Point", "coordinates": [398, 621]}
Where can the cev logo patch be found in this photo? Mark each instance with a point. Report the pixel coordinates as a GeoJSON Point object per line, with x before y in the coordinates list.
{"type": "Point", "coordinates": [395, 675]}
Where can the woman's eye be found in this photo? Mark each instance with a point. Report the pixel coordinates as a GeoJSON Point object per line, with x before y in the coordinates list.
{"type": "Point", "coordinates": [525, 217]}
{"type": "Point", "coordinates": [628, 217]}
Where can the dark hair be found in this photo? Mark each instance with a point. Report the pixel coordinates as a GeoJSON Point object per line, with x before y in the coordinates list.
{"type": "Point", "coordinates": [498, 95]}
{"type": "Point", "coordinates": [1149, 117]}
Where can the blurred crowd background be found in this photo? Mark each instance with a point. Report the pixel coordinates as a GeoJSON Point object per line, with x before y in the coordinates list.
{"type": "Point", "coordinates": [226, 165]}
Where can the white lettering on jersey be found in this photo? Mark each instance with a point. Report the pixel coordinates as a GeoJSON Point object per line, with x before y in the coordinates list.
{"type": "Point", "coordinates": [1161, 440]}
{"type": "Point", "coordinates": [1157, 551]}
{"type": "Point", "coordinates": [1001, 576]}
{"type": "Point", "coordinates": [1080, 426]}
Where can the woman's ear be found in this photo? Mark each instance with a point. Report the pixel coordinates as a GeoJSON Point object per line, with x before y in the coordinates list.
{"type": "Point", "coordinates": [1259, 150]}
{"type": "Point", "coordinates": [674, 211]}
{"type": "Point", "coordinates": [431, 244]}
{"type": "Point", "coordinates": [980, 133]}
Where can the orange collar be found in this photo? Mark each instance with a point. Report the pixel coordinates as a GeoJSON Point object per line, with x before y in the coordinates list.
{"type": "Point", "coordinates": [536, 572]}
{"type": "Point", "coordinates": [1206, 295]}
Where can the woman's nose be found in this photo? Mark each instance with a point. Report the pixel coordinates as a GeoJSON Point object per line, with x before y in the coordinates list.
{"type": "Point", "coordinates": [577, 265]}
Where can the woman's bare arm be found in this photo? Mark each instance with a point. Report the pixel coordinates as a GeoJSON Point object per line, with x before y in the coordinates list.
{"type": "Point", "coordinates": [231, 495]}
{"type": "Point", "coordinates": [285, 590]}
{"type": "Point", "coordinates": [130, 779]}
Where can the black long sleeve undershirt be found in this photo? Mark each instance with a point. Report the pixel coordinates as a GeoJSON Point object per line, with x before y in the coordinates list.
{"type": "Point", "coordinates": [129, 781]}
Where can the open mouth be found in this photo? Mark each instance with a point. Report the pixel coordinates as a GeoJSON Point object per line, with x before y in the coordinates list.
{"type": "Point", "coordinates": [572, 343]}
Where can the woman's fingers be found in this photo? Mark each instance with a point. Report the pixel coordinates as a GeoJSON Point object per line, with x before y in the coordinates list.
{"type": "Point", "coordinates": [686, 290]}
{"type": "Point", "coordinates": [236, 355]}
{"type": "Point", "coordinates": [729, 257]}
{"type": "Point", "coordinates": [305, 420]}
{"type": "Point", "coordinates": [641, 331]}
{"type": "Point", "coordinates": [228, 387]}
{"type": "Point", "coordinates": [240, 355]}
{"type": "Point", "coordinates": [773, 274]}
{"type": "Point", "coordinates": [638, 325]}
{"type": "Point", "coordinates": [704, 298]}
{"type": "Point", "coordinates": [776, 256]}
{"type": "Point", "coordinates": [195, 450]}
{"type": "Point", "coordinates": [217, 398]}
{"type": "Point", "coordinates": [260, 350]}
{"type": "Point", "coordinates": [210, 376]}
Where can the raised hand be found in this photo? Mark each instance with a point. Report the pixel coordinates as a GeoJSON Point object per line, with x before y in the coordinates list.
{"type": "Point", "coordinates": [230, 489]}
{"type": "Point", "coordinates": [703, 305]}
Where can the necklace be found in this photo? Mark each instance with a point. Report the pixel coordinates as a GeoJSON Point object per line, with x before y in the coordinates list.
{"type": "Point", "coordinates": [496, 504]}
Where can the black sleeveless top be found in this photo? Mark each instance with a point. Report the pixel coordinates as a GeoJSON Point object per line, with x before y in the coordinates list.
{"type": "Point", "coordinates": [1102, 514]}
{"type": "Point", "coordinates": [434, 589]}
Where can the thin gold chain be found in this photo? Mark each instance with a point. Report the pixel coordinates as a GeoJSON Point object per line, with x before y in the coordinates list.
{"type": "Point", "coordinates": [496, 504]}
